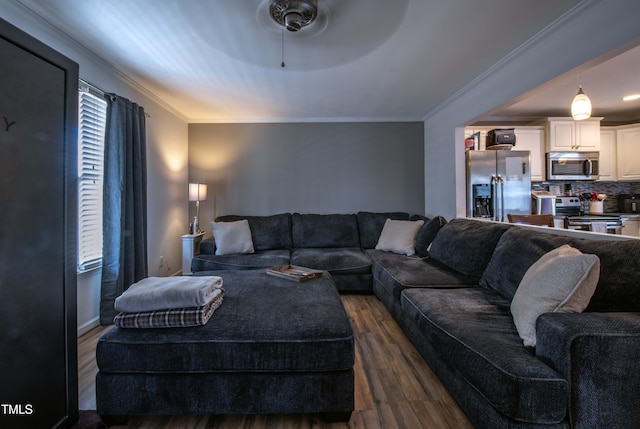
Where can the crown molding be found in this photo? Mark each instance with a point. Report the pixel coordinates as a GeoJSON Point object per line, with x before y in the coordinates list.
{"type": "Point", "coordinates": [93, 56]}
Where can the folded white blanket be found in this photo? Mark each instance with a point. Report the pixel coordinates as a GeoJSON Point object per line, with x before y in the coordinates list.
{"type": "Point", "coordinates": [161, 293]}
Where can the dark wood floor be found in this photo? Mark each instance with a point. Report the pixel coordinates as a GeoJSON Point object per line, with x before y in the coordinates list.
{"type": "Point", "coordinates": [394, 387]}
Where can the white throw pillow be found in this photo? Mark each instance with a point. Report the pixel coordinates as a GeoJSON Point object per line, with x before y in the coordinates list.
{"type": "Point", "coordinates": [399, 236]}
{"type": "Point", "coordinates": [561, 281]}
{"type": "Point", "coordinates": [232, 237]}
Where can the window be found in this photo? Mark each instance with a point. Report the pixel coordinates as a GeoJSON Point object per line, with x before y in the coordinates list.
{"type": "Point", "coordinates": [91, 130]}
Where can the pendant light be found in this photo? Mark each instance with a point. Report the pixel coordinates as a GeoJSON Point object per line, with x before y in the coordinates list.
{"type": "Point", "coordinates": [581, 105]}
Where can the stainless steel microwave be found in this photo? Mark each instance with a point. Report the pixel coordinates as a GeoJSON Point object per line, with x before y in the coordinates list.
{"type": "Point", "coordinates": [572, 166]}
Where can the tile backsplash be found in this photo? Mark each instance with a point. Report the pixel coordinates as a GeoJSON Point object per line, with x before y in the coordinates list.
{"type": "Point", "coordinates": [611, 189]}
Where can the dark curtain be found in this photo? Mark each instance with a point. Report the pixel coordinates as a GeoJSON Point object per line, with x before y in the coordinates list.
{"type": "Point", "coordinates": [124, 254]}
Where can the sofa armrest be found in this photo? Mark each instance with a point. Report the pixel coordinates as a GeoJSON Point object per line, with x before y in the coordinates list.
{"type": "Point", "coordinates": [208, 246]}
{"type": "Point", "coordinates": [599, 354]}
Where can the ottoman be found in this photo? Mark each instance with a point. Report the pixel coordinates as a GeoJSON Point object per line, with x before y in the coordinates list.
{"type": "Point", "coordinates": [273, 346]}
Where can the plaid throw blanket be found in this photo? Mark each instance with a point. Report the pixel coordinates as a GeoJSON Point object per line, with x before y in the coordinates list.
{"type": "Point", "coordinates": [170, 318]}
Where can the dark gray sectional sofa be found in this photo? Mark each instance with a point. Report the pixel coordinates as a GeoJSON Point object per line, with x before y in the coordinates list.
{"type": "Point", "coordinates": [331, 242]}
{"type": "Point", "coordinates": [453, 301]}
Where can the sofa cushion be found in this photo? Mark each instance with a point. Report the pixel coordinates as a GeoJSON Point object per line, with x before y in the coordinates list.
{"type": "Point", "coordinates": [466, 245]}
{"type": "Point", "coordinates": [264, 324]}
{"type": "Point", "coordinates": [618, 288]}
{"type": "Point", "coordinates": [370, 226]}
{"type": "Point", "coordinates": [332, 230]}
{"type": "Point", "coordinates": [561, 281]}
{"type": "Point", "coordinates": [517, 250]}
{"type": "Point", "coordinates": [351, 260]}
{"type": "Point", "coordinates": [249, 261]}
{"type": "Point", "coordinates": [267, 232]}
{"type": "Point", "coordinates": [473, 332]}
{"type": "Point", "coordinates": [208, 246]}
{"type": "Point", "coordinates": [399, 236]}
{"type": "Point", "coordinates": [395, 273]}
{"type": "Point", "coordinates": [427, 233]}
{"type": "Point", "coordinates": [232, 237]}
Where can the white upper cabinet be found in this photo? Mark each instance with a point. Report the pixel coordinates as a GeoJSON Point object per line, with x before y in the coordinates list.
{"type": "Point", "coordinates": [628, 149]}
{"type": "Point", "coordinates": [608, 159]}
{"type": "Point", "coordinates": [529, 138]}
{"type": "Point", "coordinates": [567, 135]}
{"type": "Point", "coordinates": [532, 139]}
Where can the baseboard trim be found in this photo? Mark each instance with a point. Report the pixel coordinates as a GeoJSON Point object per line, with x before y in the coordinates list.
{"type": "Point", "coordinates": [88, 325]}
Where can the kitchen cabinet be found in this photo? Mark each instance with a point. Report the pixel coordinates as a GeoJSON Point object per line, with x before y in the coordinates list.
{"type": "Point", "coordinates": [631, 226]}
{"type": "Point", "coordinates": [608, 155]}
{"type": "Point", "coordinates": [628, 152]}
{"type": "Point", "coordinates": [567, 135]}
{"type": "Point", "coordinates": [532, 139]}
{"type": "Point", "coordinates": [529, 138]}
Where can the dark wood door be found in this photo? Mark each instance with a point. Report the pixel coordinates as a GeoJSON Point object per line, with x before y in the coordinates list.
{"type": "Point", "coordinates": [38, 203]}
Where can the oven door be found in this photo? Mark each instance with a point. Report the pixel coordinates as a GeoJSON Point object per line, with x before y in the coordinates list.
{"type": "Point", "coordinates": [613, 227]}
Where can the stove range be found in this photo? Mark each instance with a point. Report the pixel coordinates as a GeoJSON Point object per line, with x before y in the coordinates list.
{"type": "Point", "coordinates": [569, 207]}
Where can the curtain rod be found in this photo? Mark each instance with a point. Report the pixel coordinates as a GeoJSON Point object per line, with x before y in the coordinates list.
{"type": "Point", "coordinates": [101, 92]}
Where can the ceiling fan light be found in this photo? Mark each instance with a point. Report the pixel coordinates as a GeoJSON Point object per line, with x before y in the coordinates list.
{"type": "Point", "coordinates": [581, 106]}
{"type": "Point", "coordinates": [293, 21]}
{"type": "Point", "coordinates": [293, 14]}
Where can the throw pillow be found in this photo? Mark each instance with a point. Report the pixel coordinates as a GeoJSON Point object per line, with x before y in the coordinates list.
{"type": "Point", "coordinates": [232, 237]}
{"type": "Point", "coordinates": [399, 236]}
{"type": "Point", "coordinates": [561, 281]}
{"type": "Point", "coordinates": [427, 233]}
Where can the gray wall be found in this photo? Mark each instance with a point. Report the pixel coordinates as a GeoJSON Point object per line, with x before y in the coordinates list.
{"type": "Point", "coordinates": [262, 169]}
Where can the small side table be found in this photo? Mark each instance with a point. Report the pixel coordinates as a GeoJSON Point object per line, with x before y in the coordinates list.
{"type": "Point", "coordinates": [190, 248]}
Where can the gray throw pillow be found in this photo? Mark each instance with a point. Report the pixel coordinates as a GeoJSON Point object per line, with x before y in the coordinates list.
{"type": "Point", "coordinates": [561, 281]}
{"type": "Point", "coordinates": [232, 237]}
{"type": "Point", "coordinates": [399, 236]}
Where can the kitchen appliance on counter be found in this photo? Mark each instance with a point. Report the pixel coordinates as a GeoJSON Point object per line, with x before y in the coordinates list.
{"type": "Point", "coordinates": [498, 182]}
{"type": "Point", "coordinates": [543, 202]}
{"type": "Point", "coordinates": [629, 203]}
{"type": "Point", "coordinates": [573, 166]}
{"type": "Point", "coordinates": [569, 208]}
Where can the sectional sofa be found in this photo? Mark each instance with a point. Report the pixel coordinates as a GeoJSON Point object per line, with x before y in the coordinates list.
{"type": "Point", "coordinates": [336, 243]}
{"type": "Point", "coordinates": [524, 327]}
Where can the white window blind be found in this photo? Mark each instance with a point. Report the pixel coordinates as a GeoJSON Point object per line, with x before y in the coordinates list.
{"type": "Point", "coordinates": [91, 130]}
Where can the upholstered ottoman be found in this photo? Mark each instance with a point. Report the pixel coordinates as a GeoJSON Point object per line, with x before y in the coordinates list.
{"type": "Point", "coordinates": [273, 346]}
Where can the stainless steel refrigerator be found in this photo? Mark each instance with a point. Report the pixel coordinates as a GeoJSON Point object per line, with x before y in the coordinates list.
{"type": "Point", "coordinates": [498, 183]}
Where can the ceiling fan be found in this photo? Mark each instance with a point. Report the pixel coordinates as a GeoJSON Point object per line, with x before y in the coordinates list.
{"type": "Point", "coordinates": [293, 14]}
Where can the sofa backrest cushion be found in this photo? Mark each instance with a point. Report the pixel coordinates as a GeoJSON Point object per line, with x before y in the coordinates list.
{"type": "Point", "coordinates": [619, 285]}
{"type": "Point", "coordinates": [427, 233]}
{"type": "Point", "coordinates": [268, 232]}
{"type": "Point", "coordinates": [330, 230]}
{"type": "Point", "coordinates": [517, 250]}
{"type": "Point", "coordinates": [466, 245]}
{"type": "Point", "coordinates": [370, 226]}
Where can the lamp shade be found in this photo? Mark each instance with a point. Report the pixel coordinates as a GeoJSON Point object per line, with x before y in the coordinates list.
{"type": "Point", "coordinates": [581, 106]}
{"type": "Point", "coordinates": [197, 192]}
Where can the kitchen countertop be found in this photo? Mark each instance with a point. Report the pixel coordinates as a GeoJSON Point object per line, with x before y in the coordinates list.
{"type": "Point", "coordinates": [624, 215]}
{"type": "Point", "coordinates": [627, 215]}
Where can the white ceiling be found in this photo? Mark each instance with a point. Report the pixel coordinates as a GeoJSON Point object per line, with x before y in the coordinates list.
{"type": "Point", "coordinates": [605, 83]}
{"type": "Point", "coordinates": [219, 60]}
